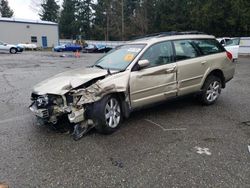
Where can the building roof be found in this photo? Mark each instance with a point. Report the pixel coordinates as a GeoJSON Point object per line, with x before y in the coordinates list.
{"type": "Point", "coordinates": [27, 21]}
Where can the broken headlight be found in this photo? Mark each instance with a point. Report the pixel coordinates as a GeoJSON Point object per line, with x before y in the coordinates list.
{"type": "Point", "coordinates": [42, 101]}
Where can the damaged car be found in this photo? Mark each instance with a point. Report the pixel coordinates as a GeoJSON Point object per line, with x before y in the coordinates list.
{"type": "Point", "coordinates": [139, 73]}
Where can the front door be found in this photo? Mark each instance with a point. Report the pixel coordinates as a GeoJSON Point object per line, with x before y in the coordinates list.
{"type": "Point", "coordinates": [44, 42]}
{"type": "Point", "coordinates": [157, 81]}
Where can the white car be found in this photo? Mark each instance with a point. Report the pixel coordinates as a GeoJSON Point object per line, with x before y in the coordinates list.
{"type": "Point", "coordinates": [10, 48]}
{"type": "Point", "coordinates": [233, 46]}
{"type": "Point", "coordinates": [28, 46]}
{"type": "Point", "coordinates": [223, 40]}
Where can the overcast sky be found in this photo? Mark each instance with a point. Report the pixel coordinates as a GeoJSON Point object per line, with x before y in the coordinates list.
{"type": "Point", "coordinates": [25, 8]}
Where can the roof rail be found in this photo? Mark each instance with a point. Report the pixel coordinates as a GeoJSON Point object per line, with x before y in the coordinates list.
{"type": "Point", "coordinates": [170, 33]}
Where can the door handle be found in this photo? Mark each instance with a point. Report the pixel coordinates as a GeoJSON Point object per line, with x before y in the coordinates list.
{"type": "Point", "coordinates": [203, 62]}
{"type": "Point", "coordinates": [171, 70]}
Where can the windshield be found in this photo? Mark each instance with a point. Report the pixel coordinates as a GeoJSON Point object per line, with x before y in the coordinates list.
{"type": "Point", "coordinates": [120, 58]}
{"type": "Point", "coordinates": [233, 42]}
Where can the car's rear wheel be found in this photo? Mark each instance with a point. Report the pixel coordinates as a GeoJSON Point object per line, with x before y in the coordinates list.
{"type": "Point", "coordinates": [108, 114]}
{"type": "Point", "coordinates": [211, 90]}
{"type": "Point", "coordinates": [13, 50]}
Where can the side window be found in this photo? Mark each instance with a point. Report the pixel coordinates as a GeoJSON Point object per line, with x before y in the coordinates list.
{"type": "Point", "coordinates": [33, 39]}
{"type": "Point", "coordinates": [184, 49]}
{"type": "Point", "coordinates": [159, 54]}
{"type": "Point", "coordinates": [209, 46]}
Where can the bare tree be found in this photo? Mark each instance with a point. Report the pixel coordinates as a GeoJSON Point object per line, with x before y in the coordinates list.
{"type": "Point", "coordinates": [35, 5]}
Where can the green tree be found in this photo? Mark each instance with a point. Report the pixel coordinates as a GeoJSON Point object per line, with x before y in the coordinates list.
{"type": "Point", "coordinates": [84, 16]}
{"type": "Point", "coordinates": [49, 10]}
{"type": "Point", "coordinates": [219, 18]}
{"type": "Point", "coordinates": [101, 20]}
{"type": "Point", "coordinates": [5, 10]}
{"type": "Point", "coordinates": [67, 22]}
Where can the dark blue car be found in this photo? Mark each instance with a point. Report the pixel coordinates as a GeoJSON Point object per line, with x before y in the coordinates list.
{"type": "Point", "coordinates": [68, 48]}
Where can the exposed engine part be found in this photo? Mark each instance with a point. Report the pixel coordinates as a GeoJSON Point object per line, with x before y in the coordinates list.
{"type": "Point", "coordinates": [81, 129]}
{"type": "Point", "coordinates": [77, 115]}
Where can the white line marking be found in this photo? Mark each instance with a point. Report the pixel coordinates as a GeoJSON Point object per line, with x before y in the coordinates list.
{"type": "Point", "coordinates": [14, 119]}
{"type": "Point", "coordinates": [203, 151]}
{"type": "Point", "coordinates": [249, 149]}
{"type": "Point", "coordinates": [173, 129]}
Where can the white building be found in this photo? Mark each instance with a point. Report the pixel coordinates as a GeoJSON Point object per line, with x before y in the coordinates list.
{"type": "Point", "coordinates": [42, 33]}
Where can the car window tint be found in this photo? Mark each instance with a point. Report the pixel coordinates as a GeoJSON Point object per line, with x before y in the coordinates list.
{"type": "Point", "coordinates": [209, 46]}
{"type": "Point", "coordinates": [184, 49]}
{"type": "Point", "coordinates": [159, 54]}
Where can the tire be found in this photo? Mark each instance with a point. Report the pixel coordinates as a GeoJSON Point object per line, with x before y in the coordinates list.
{"type": "Point", "coordinates": [108, 114]}
{"type": "Point", "coordinates": [211, 90]}
{"type": "Point", "coordinates": [13, 50]}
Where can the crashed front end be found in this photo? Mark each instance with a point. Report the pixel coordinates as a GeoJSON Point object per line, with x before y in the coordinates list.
{"type": "Point", "coordinates": [49, 108]}
{"type": "Point", "coordinates": [78, 102]}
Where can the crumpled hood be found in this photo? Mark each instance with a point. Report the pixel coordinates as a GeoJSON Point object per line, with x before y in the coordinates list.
{"type": "Point", "coordinates": [64, 82]}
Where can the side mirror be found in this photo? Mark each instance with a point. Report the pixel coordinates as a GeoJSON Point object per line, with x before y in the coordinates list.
{"type": "Point", "coordinates": [143, 63]}
{"type": "Point", "coordinates": [5, 44]}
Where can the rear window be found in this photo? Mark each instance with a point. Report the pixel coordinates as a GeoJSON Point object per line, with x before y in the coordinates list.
{"type": "Point", "coordinates": [209, 46]}
{"type": "Point", "coordinates": [185, 49]}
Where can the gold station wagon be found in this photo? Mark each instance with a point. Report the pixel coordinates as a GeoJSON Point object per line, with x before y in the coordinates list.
{"type": "Point", "coordinates": [139, 73]}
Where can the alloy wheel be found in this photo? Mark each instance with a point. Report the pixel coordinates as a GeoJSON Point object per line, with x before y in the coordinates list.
{"type": "Point", "coordinates": [113, 113]}
{"type": "Point", "coordinates": [213, 91]}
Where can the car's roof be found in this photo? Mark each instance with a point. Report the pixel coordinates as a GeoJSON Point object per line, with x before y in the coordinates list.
{"type": "Point", "coordinates": [155, 39]}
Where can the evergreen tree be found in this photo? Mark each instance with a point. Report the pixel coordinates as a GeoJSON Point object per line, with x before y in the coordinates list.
{"type": "Point", "coordinates": [104, 20]}
{"type": "Point", "coordinates": [67, 22]}
{"type": "Point", "coordinates": [5, 10]}
{"type": "Point", "coordinates": [50, 10]}
{"type": "Point", "coordinates": [84, 16]}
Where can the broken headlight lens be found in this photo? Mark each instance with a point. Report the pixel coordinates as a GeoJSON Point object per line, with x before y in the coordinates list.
{"type": "Point", "coordinates": [42, 101]}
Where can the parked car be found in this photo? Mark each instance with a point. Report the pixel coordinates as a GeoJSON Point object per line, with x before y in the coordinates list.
{"type": "Point", "coordinates": [233, 46]}
{"type": "Point", "coordinates": [68, 48]}
{"type": "Point", "coordinates": [223, 40]}
{"type": "Point", "coordinates": [134, 75]}
{"type": "Point", "coordinates": [28, 46]}
{"type": "Point", "coordinates": [96, 48]}
{"type": "Point", "coordinates": [10, 48]}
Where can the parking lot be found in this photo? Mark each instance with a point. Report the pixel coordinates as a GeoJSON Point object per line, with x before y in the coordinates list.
{"type": "Point", "coordinates": [178, 143]}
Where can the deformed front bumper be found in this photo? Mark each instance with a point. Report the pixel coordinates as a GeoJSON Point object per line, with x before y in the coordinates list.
{"type": "Point", "coordinates": [42, 113]}
{"type": "Point", "coordinates": [52, 115]}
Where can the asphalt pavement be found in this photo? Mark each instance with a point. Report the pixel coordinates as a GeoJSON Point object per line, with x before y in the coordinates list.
{"type": "Point", "coordinates": [178, 143]}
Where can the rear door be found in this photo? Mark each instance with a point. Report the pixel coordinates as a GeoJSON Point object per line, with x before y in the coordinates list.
{"type": "Point", "coordinates": [194, 59]}
{"type": "Point", "coordinates": [157, 81]}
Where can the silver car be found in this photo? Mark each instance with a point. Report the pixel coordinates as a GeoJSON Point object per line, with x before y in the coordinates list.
{"type": "Point", "coordinates": [10, 48]}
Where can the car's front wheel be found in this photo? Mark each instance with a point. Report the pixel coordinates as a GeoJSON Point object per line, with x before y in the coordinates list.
{"type": "Point", "coordinates": [13, 50]}
{"type": "Point", "coordinates": [211, 90]}
{"type": "Point", "coordinates": [108, 114]}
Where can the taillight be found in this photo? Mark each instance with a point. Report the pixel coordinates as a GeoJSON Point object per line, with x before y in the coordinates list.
{"type": "Point", "coordinates": [229, 55]}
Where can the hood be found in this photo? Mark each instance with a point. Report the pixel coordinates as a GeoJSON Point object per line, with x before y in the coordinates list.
{"type": "Point", "coordinates": [11, 46]}
{"type": "Point", "coordinates": [64, 82]}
